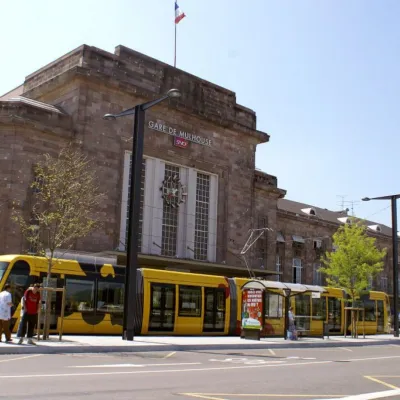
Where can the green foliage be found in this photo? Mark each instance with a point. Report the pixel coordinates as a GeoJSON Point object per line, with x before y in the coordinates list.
{"type": "Point", "coordinates": [65, 203]}
{"type": "Point", "coordinates": [355, 260]}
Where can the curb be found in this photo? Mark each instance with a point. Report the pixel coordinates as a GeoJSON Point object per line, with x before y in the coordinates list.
{"type": "Point", "coordinates": [39, 349]}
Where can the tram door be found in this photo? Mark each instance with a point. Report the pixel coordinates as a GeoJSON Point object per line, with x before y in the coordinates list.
{"type": "Point", "coordinates": [19, 280]}
{"type": "Point", "coordinates": [55, 299]}
{"type": "Point", "coordinates": [214, 310]}
{"type": "Point", "coordinates": [334, 315]}
{"type": "Point", "coordinates": [380, 316]}
{"type": "Point", "coordinates": [162, 307]}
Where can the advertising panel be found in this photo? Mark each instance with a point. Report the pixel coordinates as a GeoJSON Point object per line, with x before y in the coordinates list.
{"type": "Point", "coordinates": [252, 315]}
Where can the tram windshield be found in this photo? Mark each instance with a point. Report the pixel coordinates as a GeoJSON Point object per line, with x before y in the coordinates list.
{"type": "Point", "coordinates": [3, 268]}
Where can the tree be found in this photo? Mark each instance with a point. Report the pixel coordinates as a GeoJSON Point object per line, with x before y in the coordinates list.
{"type": "Point", "coordinates": [65, 202]}
{"type": "Point", "coordinates": [355, 260]}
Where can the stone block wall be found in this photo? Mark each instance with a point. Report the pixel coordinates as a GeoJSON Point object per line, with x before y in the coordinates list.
{"type": "Point", "coordinates": [88, 83]}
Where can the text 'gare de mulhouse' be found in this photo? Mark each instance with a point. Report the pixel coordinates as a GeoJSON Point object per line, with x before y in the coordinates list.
{"type": "Point", "coordinates": [180, 134]}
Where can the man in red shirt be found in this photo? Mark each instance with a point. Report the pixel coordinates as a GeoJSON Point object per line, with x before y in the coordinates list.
{"type": "Point", "coordinates": [30, 308]}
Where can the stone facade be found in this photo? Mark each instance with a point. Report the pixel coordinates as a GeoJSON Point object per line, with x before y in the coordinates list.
{"type": "Point", "coordinates": [65, 101]}
{"type": "Point", "coordinates": [308, 235]}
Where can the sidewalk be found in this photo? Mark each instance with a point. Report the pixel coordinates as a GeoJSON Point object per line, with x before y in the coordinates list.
{"type": "Point", "coordinates": [108, 344]}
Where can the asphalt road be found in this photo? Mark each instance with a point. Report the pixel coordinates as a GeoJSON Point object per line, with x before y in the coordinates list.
{"type": "Point", "coordinates": [214, 375]}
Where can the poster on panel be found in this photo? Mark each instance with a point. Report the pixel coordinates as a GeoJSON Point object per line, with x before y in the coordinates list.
{"type": "Point", "coordinates": [252, 306]}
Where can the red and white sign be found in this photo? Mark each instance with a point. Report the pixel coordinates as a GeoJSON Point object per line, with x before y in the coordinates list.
{"type": "Point", "coordinates": [179, 142]}
{"type": "Point", "coordinates": [252, 309]}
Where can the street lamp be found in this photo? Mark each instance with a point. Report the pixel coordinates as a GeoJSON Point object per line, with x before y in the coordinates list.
{"type": "Point", "coordinates": [286, 294]}
{"type": "Point", "coordinates": [134, 207]}
{"type": "Point", "coordinates": [393, 198]}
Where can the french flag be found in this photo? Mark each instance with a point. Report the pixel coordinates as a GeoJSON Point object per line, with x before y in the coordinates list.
{"type": "Point", "coordinates": [179, 15]}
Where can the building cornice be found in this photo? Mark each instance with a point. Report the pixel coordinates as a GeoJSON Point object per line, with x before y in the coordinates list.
{"type": "Point", "coordinates": [24, 115]}
{"type": "Point", "coordinates": [141, 76]}
{"type": "Point", "coordinates": [268, 183]}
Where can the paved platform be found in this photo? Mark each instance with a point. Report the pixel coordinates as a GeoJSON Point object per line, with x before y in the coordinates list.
{"type": "Point", "coordinates": [107, 344]}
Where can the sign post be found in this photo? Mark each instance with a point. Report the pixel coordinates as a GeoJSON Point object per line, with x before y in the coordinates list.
{"type": "Point", "coordinates": [252, 313]}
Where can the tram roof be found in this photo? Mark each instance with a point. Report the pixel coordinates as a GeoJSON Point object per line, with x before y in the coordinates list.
{"type": "Point", "coordinates": [293, 287]}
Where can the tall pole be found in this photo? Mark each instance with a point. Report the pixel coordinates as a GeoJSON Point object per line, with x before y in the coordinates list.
{"type": "Point", "coordinates": [133, 223]}
{"type": "Point", "coordinates": [132, 243]}
{"type": "Point", "coordinates": [286, 316]}
{"type": "Point", "coordinates": [175, 48]}
{"type": "Point", "coordinates": [395, 268]}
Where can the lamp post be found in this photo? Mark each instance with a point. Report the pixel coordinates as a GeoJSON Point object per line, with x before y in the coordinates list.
{"type": "Point", "coordinates": [134, 207]}
{"type": "Point", "coordinates": [393, 198]}
{"type": "Point", "coordinates": [286, 294]}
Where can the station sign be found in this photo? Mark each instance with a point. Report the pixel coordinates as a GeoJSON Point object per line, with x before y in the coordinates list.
{"type": "Point", "coordinates": [179, 142]}
{"type": "Point", "coordinates": [189, 137]}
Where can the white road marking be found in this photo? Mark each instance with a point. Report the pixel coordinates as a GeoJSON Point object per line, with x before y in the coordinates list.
{"type": "Point", "coordinates": [202, 396]}
{"type": "Point", "coordinates": [86, 355]}
{"type": "Point", "coordinates": [345, 348]}
{"type": "Point", "coordinates": [372, 358]}
{"type": "Point", "coordinates": [130, 365]}
{"type": "Point", "coordinates": [246, 361]}
{"type": "Point", "coordinates": [21, 358]}
{"type": "Point", "coordinates": [157, 371]}
{"type": "Point", "coordinates": [370, 346]}
{"type": "Point", "coordinates": [246, 395]}
{"type": "Point", "coordinates": [224, 368]}
{"type": "Point", "coordinates": [260, 362]}
{"type": "Point", "coordinates": [272, 352]}
{"type": "Point", "coordinates": [371, 396]}
{"type": "Point", "coordinates": [170, 354]}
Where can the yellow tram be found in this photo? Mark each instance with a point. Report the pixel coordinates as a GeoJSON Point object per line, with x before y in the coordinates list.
{"type": "Point", "coordinates": [175, 303]}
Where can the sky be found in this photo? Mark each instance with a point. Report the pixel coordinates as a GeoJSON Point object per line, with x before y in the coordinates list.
{"type": "Point", "coordinates": [322, 76]}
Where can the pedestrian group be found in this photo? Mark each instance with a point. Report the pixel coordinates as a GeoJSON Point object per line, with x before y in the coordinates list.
{"type": "Point", "coordinates": [30, 304]}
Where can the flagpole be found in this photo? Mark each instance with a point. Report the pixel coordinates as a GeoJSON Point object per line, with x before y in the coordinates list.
{"type": "Point", "coordinates": [179, 15]}
{"type": "Point", "coordinates": [175, 48]}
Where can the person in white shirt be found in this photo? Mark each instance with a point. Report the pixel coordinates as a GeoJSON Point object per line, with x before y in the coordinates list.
{"type": "Point", "coordinates": [5, 312]}
{"type": "Point", "coordinates": [291, 317]}
{"type": "Point", "coordinates": [292, 325]}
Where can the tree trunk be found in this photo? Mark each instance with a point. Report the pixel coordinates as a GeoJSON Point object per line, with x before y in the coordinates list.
{"type": "Point", "coordinates": [354, 317]}
{"type": "Point", "coordinates": [47, 307]}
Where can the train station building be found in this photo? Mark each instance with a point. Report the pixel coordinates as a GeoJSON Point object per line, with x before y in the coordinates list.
{"type": "Point", "coordinates": [199, 148]}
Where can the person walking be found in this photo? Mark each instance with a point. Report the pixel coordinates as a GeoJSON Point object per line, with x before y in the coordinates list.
{"type": "Point", "coordinates": [292, 325]}
{"type": "Point", "coordinates": [31, 304]}
{"type": "Point", "coordinates": [5, 312]}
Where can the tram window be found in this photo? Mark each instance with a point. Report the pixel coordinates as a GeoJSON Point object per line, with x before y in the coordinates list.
{"type": "Point", "coordinates": [19, 280]}
{"type": "Point", "coordinates": [79, 295]}
{"type": "Point", "coordinates": [388, 309]}
{"type": "Point", "coordinates": [110, 297]}
{"type": "Point", "coordinates": [369, 307]}
{"type": "Point", "coordinates": [273, 305]}
{"type": "Point", "coordinates": [319, 308]}
{"type": "Point", "coordinates": [189, 301]}
{"type": "Point", "coordinates": [334, 309]}
{"type": "Point", "coordinates": [302, 305]}
{"type": "Point", "coordinates": [3, 267]}
{"type": "Point", "coordinates": [221, 300]}
{"type": "Point", "coordinates": [162, 297]}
